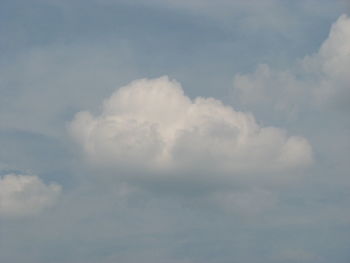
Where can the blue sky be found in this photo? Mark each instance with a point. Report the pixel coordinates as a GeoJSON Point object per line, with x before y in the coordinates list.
{"type": "Point", "coordinates": [174, 131]}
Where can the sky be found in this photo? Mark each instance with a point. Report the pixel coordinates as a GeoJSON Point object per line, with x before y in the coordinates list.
{"type": "Point", "coordinates": [174, 131]}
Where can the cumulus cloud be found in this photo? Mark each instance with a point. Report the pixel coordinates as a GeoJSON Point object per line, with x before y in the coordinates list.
{"type": "Point", "coordinates": [331, 64]}
{"type": "Point", "coordinates": [318, 80]}
{"type": "Point", "coordinates": [22, 195]}
{"type": "Point", "coordinates": [152, 123]}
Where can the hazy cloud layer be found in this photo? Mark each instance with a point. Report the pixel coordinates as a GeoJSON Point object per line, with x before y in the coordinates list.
{"type": "Point", "coordinates": [170, 172]}
{"type": "Point", "coordinates": [151, 123]}
{"type": "Point", "coordinates": [22, 195]}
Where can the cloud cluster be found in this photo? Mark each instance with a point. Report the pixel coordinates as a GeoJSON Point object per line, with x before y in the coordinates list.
{"type": "Point", "coordinates": [22, 195]}
{"type": "Point", "coordinates": [321, 79]}
{"type": "Point", "coordinates": [151, 123]}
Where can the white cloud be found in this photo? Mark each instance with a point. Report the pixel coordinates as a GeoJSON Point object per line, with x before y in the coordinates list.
{"type": "Point", "coordinates": [317, 81]}
{"type": "Point", "coordinates": [331, 64]}
{"type": "Point", "coordinates": [151, 123]}
{"type": "Point", "coordinates": [22, 195]}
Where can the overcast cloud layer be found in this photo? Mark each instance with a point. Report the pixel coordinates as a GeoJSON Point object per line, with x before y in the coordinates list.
{"type": "Point", "coordinates": [174, 131]}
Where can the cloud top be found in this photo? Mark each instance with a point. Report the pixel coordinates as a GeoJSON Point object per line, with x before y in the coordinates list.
{"type": "Point", "coordinates": [23, 195]}
{"type": "Point", "coordinates": [152, 123]}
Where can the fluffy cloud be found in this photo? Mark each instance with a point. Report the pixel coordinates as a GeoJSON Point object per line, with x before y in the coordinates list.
{"type": "Point", "coordinates": [151, 123]}
{"type": "Point", "coordinates": [330, 66]}
{"type": "Point", "coordinates": [22, 195]}
{"type": "Point", "coordinates": [321, 79]}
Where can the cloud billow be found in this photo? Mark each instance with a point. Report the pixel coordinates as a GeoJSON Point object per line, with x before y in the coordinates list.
{"type": "Point", "coordinates": [152, 124]}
